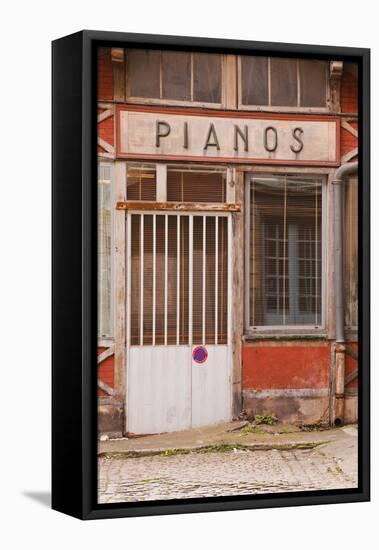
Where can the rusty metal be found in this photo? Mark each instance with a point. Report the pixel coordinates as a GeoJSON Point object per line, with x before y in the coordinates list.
{"type": "Point", "coordinates": [177, 206]}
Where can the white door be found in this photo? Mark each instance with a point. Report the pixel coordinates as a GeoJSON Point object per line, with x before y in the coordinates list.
{"type": "Point", "coordinates": [178, 321]}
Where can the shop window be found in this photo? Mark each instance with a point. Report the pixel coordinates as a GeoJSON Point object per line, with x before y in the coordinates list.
{"type": "Point", "coordinates": [191, 184]}
{"type": "Point", "coordinates": [283, 83]}
{"type": "Point", "coordinates": [351, 252]}
{"type": "Point", "coordinates": [141, 182]}
{"type": "Point", "coordinates": [105, 257]}
{"type": "Point", "coordinates": [174, 76]}
{"type": "Point", "coordinates": [284, 234]}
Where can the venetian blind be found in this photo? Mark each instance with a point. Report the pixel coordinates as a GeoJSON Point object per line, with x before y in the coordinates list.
{"type": "Point", "coordinates": [195, 185]}
{"type": "Point", "coordinates": [285, 251]}
{"type": "Point", "coordinates": [141, 182]}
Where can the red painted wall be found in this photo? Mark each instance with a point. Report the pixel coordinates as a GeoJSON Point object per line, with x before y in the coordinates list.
{"type": "Point", "coordinates": [105, 372]}
{"type": "Point", "coordinates": [104, 75]}
{"type": "Point", "coordinates": [285, 365]}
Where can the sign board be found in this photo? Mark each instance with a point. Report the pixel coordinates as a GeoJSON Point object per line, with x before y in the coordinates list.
{"type": "Point", "coordinates": [179, 134]}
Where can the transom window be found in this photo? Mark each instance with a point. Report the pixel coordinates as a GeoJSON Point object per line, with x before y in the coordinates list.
{"type": "Point", "coordinates": [176, 76]}
{"type": "Point", "coordinates": [284, 234]}
{"type": "Point", "coordinates": [176, 183]}
{"type": "Point", "coordinates": [280, 82]}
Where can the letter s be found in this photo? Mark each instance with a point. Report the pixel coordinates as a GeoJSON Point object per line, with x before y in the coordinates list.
{"type": "Point", "coordinates": [297, 133]}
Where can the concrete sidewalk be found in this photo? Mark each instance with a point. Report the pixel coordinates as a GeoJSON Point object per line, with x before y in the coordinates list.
{"type": "Point", "coordinates": [339, 443]}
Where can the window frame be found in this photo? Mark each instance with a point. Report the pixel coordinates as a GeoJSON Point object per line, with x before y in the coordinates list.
{"type": "Point", "coordinates": [178, 102]}
{"type": "Point", "coordinates": [265, 330]}
{"type": "Point", "coordinates": [283, 109]}
{"type": "Point", "coordinates": [106, 339]}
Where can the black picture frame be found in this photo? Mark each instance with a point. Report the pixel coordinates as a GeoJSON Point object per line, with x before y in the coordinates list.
{"type": "Point", "coordinates": [74, 402]}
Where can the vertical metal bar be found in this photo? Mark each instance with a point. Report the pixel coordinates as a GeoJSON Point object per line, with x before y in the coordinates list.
{"type": "Point", "coordinates": [165, 277]}
{"type": "Point", "coordinates": [141, 278]}
{"type": "Point", "coordinates": [190, 269]}
{"type": "Point", "coordinates": [154, 274]}
{"type": "Point", "coordinates": [204, 274]}
{"type": "Point", "coordinates": [177, 279]}
{"type": "Point", "coordinates": [216, 280]}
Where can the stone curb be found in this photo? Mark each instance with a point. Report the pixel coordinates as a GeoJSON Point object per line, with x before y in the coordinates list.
{"type": "Point", "coordinates": [220, 447]}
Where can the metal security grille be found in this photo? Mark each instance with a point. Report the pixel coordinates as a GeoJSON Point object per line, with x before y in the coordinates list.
{"type": "Point", "coordinates": [178, 279]}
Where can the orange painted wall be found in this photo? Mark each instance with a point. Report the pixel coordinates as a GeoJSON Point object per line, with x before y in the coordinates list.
{"type": "Point", "coordinates": [289, 365]}
{"type": "Point", "coordinates": [105, 371]}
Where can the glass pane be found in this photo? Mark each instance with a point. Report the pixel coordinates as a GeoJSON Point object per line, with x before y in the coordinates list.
{"type": "Point", "coordinates": [207, 77]}
{"type": "Point", "coordinates": [176, 76]}
{"type": "Point", "coordinates": [285, 245]}
{"type": "Point", "coordinates": [141, 182]}
{"type": "Point", "coordinates": [313, 76]}
{"type": "Point", "coordinates": [254, 79]}
{"type": "Point", "coordinates": [192, 185]}
{"type": "Point", "coordinates": [147, 279]}
{"type": "Point", "coordinates": [283, 75]}
{"type": "Point", "coordinates": [172, 278]}
{"type": "Point", "coordinates": [135, 281]}
{"type": "Point", "coordinates": [143, 68]}
{"type": "Point", "coordinates": [160, 280]}
{"type": "Point", "coordinates": [222, 289]}
{"type": "Point", "coordinates": [197, 280]}
{"type": "Point", "coordinates": [184, 276]}
{"type": "Point", "coordinates": [104, 227]}
{"type": "Point", "coordinates": [210, 281]}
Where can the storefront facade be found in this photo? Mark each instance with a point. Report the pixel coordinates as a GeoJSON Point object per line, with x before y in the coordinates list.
{"type": "Point", "coordinates": [216, 239]}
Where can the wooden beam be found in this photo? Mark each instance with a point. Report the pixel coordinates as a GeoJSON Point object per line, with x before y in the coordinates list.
{"type": "Point", "coordinates": [103, 386]}
{"type": "Point", "coordinates": [350, 155]}
{"type": "Point", "coordinates": [104, 115]}
{"type": "Point", "coordinates": [349, 128]}
{"type": "Point", "coordinates": [350, 377]}
{"type": "Point", "coordinates": [105, 145]}
{"type": "Point", "coordinates": [177, 206]}
{"type": "Point", "coordinates": [120, 283]}
{"type": "Point", "coordinates": [105, 354]}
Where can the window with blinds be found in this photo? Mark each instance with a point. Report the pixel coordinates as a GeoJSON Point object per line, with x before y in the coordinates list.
{"type": "Point", "coordinates": [191, 184]}
{"type": "Point", "coordinates": [285, 251]}
{"type": "Point", "coordinates": [104, 243]}
{"type": "Point", "coordinates": [141, 182]}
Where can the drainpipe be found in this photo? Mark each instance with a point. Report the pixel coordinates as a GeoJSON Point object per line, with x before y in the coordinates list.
{"type": "Point", "coordinates": [338, 180]}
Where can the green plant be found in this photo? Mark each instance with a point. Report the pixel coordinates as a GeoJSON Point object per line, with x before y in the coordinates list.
{"type": "Point", "coordinates": [268, 419]}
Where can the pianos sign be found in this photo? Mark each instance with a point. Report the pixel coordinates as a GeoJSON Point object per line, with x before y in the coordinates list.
{"type": "Point", "coordinates": [161, 134]}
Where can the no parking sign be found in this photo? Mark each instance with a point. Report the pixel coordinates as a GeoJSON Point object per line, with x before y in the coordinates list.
{"type": "Point", "coordinates": [200, 354]}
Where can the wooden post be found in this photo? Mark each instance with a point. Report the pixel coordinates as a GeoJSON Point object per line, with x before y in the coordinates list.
{"type": "Point", "coordinates": [238, 295]}
{"type": "Point", "coordinates": [120, 281]}
{"type": "Point", "coordinates": [119, 81]}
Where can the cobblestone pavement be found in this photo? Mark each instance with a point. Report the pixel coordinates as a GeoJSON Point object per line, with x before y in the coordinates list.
{"type": "Point", "coordinates": [210, 474]}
